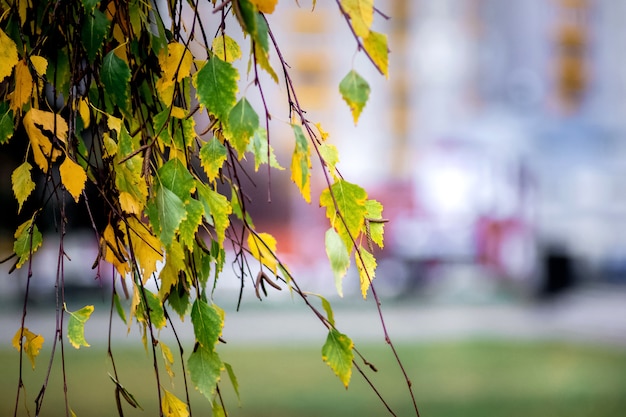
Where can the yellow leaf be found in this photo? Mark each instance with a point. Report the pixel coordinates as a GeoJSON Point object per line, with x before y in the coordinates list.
{"type": "Point", "coordinates": [265, 6]}
{"type": "Point", "coordinates": [32, 345]}
{"type": "Point", "coordinates": [324, 134]}
{"type": "Point", "coordinates": [226, 48]}
{"type": "Point", "coordinates": [22, 183]}
{"type": "Point", "coordinates": [114, 251]}
{"type": "Point", "coordinates": [263, 247]}
{"type": "Point", "coordinates": [83, 110]}
{"type": "Point", "coordinates": [168, 358]}
{"type": "Point", "coordinates": [23, 86]}
{"type": "Point", "coordinates": [73, 177]}
{"type": "Point", "coordinates": [177, 63]}
{"type": "Point", "coordinates": [35, 123]}
{"type": "Point", "coordinates": [174, 263]}
{"type": "Point", "coordinates": [146, 247]}
{"type": "Point", "coordinates": [376, 46]}
{"type": "Point", "coordinates": [40, 64]}
{"type": "Point", "coordinates": [361, 14]}
{"type": "Point", "coordinates": [8, 55]}
{"type": "Point", "coordinates": [366, 264]}
{"type": "Point", "coordinates": [129, 203]}
{"type": "Point", "coordinates": [172, 406]}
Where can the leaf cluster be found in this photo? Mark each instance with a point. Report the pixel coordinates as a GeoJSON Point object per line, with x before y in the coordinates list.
{"type": "Point", "coordinates": [135, 107]}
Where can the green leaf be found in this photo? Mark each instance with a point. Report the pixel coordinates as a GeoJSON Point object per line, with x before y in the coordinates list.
{"type": "Point", "coordinates": [376, 46]}
{"type": "Point", "coordinates": [338, 354]}
{"type": "Point", "coordinates": [76, 326]}
{"type": "Point", "coordinates": [350, 204]}
{"type": "Point", "coordinates": [205, 367]}
{"type": "Point", "coordinates": [6, 122]}
{"type": "Point", "coordinates": [115, 75]}
{"type": "Point", "coordinates": [242, 123]}
{"type": "Point", "coordinates": [301, 164]}
{"type": "Point", "coordinates": [216, 208]}
{"type": "Point", "coordinates": [330, 154]}
{"type": "Point", "coordinates": [189, 226]}
{"type": "Point", "coordinates": [366, 265]}
{"type": "Point", "coordinates": [339, 257]}
{"type": "Point", "coordinates": [128, 174]}
{"type": "Point", "coordinates": [355, 91]}
{"type": "Point", "coordinates": [27, 240]}
{"type": "Point", "coordinates": [259, 147]}
{"type": "Point", "coordinates": [118, 307]}
{"type": "Point", "coordinates": [93, 31]}
{"type": "Point", "coordinates": [233, 378]}
{"type": "Point", "coordinates": [157, 314]}
{"type": "Point", "coordinates": [207, 323]}
{"type": "Point", "coordinates": [175, 176]}
{"type": "Point", "coordinates": [178, 299]}
{"type": "Point", "coordinates": [212, 157]}
{"type": "Point", "coordinates": [166, 213]}
{"type": "Point", "coordinates": [90, 4]}
{"type": "Point", "coordinates": [22, 183]}
{"type": "Point", "coordinates": [216, 85]}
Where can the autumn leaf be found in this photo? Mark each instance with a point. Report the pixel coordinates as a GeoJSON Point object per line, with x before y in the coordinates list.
{"type": "Point", "coordinates": [361, 13]}
{"type": "Point", "coordinates": [205, 368]}
{"type": "Point", "coordinates": [190, 224]}
{"type": "Point", "coordinates": [40, 64]}
{"type": "Point", "coordinates": [168, 358]}
{"type": "Point", "coordinates": [376, 46]}
{"type": "Point", "coordinates": [375, 229]}
{"type": "Point", "coordinates": [175, 62]}
{"type": "Point", "coordinates": [172, 406]}
{"type": "Point", "coordinates": [242, 123]}
{"type": "Point", "coordinates": [27, 240]}
{"type": "Point", "coordinates": [265, 6]}
{"type": "Point", "coordinates": [114, 250]}
{"type": "Point", "coordinates": [216, 85]}
{"type": "Point", "coordinates": [8, 55]}
{"type": "Point", "coordinates": [32, 345]}
{"type": "Point", "coordinates": [339, 257]}
{"type": "Point", "coordinates": [37, 124]}
{"type": "Point", "coordinates": [23, 86]}
{"type": "Point", "coordinates": [226, 48]}
{"type": "Point", "coordinates": [301, 164]}
{"type": "Point", "coordinates": [73, 177]}
{"type": "Point", "coordinates": [338, 354]}
{"type": "Point", "coordinates": [366, 265]}
{"type": "Point", "coordinates": [22, 183]}
{"type": "Point", "coordinates": [263, 247]}
{"type": "Point", "coordinates": [76, 326]}
{"type": "Point", "coordinates": [146, 247]}
{"type": "Point", "coordinates": [355, 91]}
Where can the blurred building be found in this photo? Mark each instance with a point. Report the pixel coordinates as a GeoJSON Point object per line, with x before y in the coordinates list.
{"type": "Point", "coordinates": [499, 139]}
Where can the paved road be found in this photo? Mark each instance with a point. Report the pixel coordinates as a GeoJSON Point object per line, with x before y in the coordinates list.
{"type": "Point", "coordinates": [593, 315]}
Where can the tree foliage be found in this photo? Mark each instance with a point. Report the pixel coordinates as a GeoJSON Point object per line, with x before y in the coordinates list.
{"type": "Point", "coordinates": [136, 108]}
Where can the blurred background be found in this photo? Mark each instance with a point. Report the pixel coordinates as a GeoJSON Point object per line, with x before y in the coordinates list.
{"type": "Point", "coordinates": [497, 147]}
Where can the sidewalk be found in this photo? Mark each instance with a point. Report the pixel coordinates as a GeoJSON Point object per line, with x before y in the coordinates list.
{"type": "Point", "coordinates": [592, 315]}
